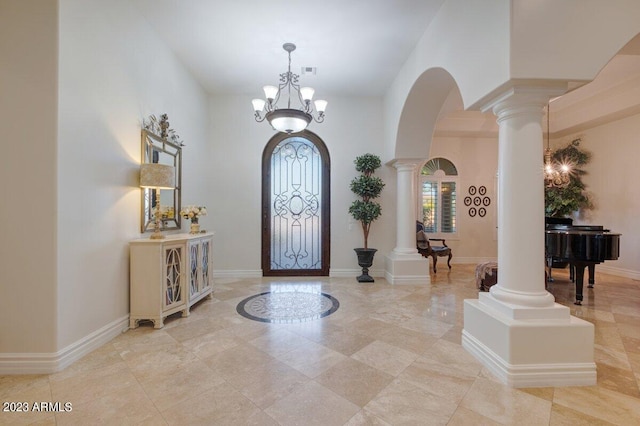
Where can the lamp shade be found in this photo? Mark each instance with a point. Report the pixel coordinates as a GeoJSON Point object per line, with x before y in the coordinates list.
{"type": "Point", "coordinates": [307, 93]}
{"type": "Point", "coordinates": [321, 105]}
{"type": "Point", "coordinates": [289, 120]}
{"type": "Point", "coordinates": [154, 175]}
{"type": "Point", "coordinates": [258, 104]}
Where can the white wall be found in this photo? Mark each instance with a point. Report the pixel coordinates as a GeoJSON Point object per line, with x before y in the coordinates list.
{"type": "Point", "coordinates": [353, 126]}
{"type": "Point", "coordinates": [469, 39]}
{"type": "Point", "coordinates": [569, 39]}
{"type": "Point", "coordinates": [28, 114]}
{"type": "Point", "coordinates": [114, 72]}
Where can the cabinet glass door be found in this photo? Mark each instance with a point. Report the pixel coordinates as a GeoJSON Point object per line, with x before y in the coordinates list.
{"type": "Point", "coordinates": [173, 276]}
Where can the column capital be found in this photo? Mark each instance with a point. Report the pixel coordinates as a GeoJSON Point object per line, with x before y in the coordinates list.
{"type": "Point", "coordinates": [406, 164]}
{"type": "Point", "coordinates": [523, 98]}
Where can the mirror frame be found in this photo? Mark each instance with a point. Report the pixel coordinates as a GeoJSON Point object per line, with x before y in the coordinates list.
{"type": "Point", "coordinates": [152, 147]}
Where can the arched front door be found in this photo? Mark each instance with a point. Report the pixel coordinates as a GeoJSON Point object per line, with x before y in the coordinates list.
{"type": "Point", "coordinates": [295, 205]}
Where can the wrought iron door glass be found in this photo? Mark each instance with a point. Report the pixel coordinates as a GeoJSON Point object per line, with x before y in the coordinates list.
{"type": "Point", "coordinates": [296, 177]}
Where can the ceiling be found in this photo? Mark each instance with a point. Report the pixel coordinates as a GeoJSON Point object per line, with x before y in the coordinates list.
{"type": "Point", "coordinates": [357, 46]}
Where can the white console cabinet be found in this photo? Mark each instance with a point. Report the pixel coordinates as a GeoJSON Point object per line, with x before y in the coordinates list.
{"type": "Point", "coordinates": [169, 276]}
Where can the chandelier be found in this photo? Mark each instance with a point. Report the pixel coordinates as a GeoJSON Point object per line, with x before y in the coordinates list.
{"type": "Point", "coordinates": [555, 175]}
{"type": "Point", "coordinates": [289, 120]}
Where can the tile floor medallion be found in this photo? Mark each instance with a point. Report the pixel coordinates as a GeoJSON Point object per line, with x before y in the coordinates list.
{"type": "Point", "coordinates": [289, 303]}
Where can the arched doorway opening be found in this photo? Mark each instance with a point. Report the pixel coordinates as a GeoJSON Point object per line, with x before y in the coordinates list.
{"type": "Point", "coordinates": [295, 206]}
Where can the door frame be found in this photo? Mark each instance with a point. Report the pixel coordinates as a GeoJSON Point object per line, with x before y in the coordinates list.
{"type": "Point", "coordinates": [325, 207]}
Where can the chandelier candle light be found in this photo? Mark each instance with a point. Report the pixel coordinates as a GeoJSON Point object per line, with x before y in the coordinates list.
{"type": "Point", "coordinates": [555, 175]}
{"type": "Point", "coordinates": [289, 120]}
{"type": "Point", "coordinates": [157, 176]}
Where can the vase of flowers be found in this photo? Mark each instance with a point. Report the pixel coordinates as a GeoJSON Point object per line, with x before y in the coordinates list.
{"type": "Point", "coordinates": [193, 213]}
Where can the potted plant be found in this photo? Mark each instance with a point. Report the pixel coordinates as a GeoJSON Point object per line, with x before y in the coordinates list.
{"type": "Point", "coordinates": [565, 200]}
{"type": "Point", "coordinates": [367, 187]}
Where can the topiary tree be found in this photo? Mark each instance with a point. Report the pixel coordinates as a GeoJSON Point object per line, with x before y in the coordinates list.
{"type": "Point", "coordinates": [563, 201]}
{"type": "Point", "coordinates": [367, 187]}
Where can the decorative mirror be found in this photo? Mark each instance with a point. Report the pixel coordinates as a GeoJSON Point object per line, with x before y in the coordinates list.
{"type": "Point", "coordinates": [161, 145]}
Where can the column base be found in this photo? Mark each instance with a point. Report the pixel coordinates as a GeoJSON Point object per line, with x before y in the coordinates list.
{"type": "Point", "coordinates": [406, 268]}
{"type": "Point", "coordinates": [534, 348]}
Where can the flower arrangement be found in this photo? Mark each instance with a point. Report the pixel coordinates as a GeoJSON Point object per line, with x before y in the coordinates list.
{"type": "Point", "coordinates": [167, 212]}
{"type": "Point", "coordinates": [193, 213]}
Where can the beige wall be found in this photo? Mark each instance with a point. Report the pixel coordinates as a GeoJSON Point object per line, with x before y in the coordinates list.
{"type": "Point", "coordinates": [612, 180]}
{"type": "Point", "coordinates": [477, 162]}
{"type": "Point", "coordinates": [28, 117]}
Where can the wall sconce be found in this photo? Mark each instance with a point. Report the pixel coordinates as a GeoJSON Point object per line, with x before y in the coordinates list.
{"type": "Point", "coordinates": [157, 176]}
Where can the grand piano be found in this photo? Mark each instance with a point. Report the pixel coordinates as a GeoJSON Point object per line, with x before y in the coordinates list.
{"type": "Point", "coordinates": [582, 246]}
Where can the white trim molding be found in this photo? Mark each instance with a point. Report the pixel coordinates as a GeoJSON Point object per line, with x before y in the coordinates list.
{"type": "Point", "coordinates": [47, 363]}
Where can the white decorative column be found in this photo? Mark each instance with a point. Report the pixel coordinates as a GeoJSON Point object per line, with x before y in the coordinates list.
{"type": "Point", "coordinates": [517, 330]}
{"type": "Point", "coordinates": [404, 265]}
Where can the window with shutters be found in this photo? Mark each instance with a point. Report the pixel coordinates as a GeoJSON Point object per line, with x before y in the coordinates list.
{"type": "Point", "coordinates": [438, 197]}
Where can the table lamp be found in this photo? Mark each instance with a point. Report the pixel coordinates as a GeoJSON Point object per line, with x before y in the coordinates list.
{"type": "Point", "coordinates": [157, 176]}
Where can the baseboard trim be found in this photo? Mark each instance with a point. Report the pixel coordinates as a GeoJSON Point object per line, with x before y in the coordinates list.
{"type": "Point", "coordinates": [47, 363]}
{"type": "Point", "coordinates": [352, 273]}
{"type": "Point", "coordinates": [618, 272]}
{"type": "Point", "coordinates": [469, 260]}
{"type": "Point", "coordinates": [530, 375]}
{"type": "Point", "coordinates": [408, 279]}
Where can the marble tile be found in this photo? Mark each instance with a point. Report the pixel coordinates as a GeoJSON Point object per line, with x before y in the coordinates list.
{"type": "Point", "coordinates": [278, 341]}
{"type": "Point", "coordinates": [630, 330]}
{"type": "Point", "coordinates": [404, 403]}
{"type": "Point", "coordinates": [354, 380]}
{"type": "Point", "coordinates": [389, 355]}
{"type": "Point", "coordinates": [345, 342]}
{"type": "Point", "coordinates": [130, 407]}
{"type": "Point", "coordinates": [194, 328]}
{"type": "Point", "coordinates": [410, 340]}
{"type": "Point", "coordinates": [438, 379]}
{"type": "Point", "coordinates": [506, 405]}
{"type": "Point", "coordinates": [102, 382]}
{"type": "Point", "coordinates": [220, 405]}
{"type": "Point", "coordinates": [311, 359]}
{"type": "Point", "coordinates": [312, 404]}
{"type": "Point", "coordinates": [180, 384]}
{"type": "Point", "coordinates": [465, 417]}
{"type": "Point", "coordinates": [544, 393]}
{"type": "Point", "coordinates": [22, 387]}
{"type": "Point", "coordinates": [237, 360]}
{"type": "Point", "coordinates": [599, 402]}
{"type": "Point", "coordinates": [564, 416]}
{"type": "Point", "coordinates": [365, 418]}
{"type": "Point", "coordinates": [618, 379]}
{"type": "Point", "coordinates": [148, 362]}
{"type": "Point", "coordinates": [25, 391]}
{"type": "Point", "coordinates": [266, 383]}
{"type": "Point", "coordinates": [426, 325]}
{"type": "Point", "coordinates": [369, 327]}
{"type": "Point", "coordinates": [385, 357]}
{"type": "Point", "coordinates": [209, 344]}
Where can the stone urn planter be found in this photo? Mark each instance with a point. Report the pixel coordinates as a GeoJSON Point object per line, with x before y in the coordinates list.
{"type": "Point", "coordinates": [367, 187]}
{"type": "Point", "coordinates": [365, 260]}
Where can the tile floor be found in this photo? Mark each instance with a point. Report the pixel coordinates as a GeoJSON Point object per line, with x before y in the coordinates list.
{"type": "Point", "coordinates": [390, 355]}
